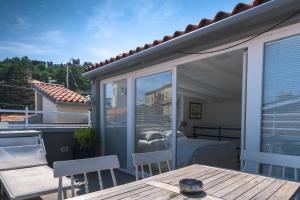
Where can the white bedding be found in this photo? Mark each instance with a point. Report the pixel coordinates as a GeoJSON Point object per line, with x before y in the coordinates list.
{"type": "Point", "coordinates": [189, 150]}
{"type": "Point", "coordinates": [188, 147]}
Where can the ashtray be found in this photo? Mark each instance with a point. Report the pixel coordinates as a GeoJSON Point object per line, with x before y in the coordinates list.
{"type": "Point", "coordinates": [190, 186]}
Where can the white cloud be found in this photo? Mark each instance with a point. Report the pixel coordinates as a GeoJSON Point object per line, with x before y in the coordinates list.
{"type": "Point", "coordinates": [45, 43]}
{"type": "Point", "coordinates": [53, 37]}
{"type": "Point", "coordinates": [20, 48]}
{"type": "Point", "coordinates": [43, 6]}
{"type": "Point", "coordinates": [104, 21]}
{"type": "Point", "coordinates": [101, 53]}
{"type": "Point", "coordinates": [21, 22]}
{"type": "Point", "coordinates": [151, 11]}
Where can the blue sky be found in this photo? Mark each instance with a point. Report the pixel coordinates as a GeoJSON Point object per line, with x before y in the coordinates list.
{"type": "Point", "coordinates": [93, 30]}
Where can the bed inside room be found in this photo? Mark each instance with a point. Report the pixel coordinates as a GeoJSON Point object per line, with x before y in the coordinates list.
{"type": "Point", "coordinates": [209, 96]}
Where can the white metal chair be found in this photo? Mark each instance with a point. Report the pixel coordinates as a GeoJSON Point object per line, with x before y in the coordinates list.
{"type": "Point", "coordinates": [285, 161]}
{"type": "Point", "coordinates": [83, 166]}
{"type": "Point", "coordinates": [156, 157]}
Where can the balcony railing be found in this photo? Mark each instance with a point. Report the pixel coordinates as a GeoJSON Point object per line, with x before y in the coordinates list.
{"type": "Point", "coordinates": [34, 118]}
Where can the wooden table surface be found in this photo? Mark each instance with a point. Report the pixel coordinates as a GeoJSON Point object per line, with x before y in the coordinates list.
{"type": "Point", "coordinates": [218, 184]}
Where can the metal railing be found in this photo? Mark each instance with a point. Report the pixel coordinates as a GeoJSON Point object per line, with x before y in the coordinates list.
{"type": "Point", "coordinates": [219, 134]}
{"type": "Point", "coordinates": [35, 118]}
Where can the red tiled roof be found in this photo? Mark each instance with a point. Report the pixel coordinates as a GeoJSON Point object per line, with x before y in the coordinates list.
{"type": "Point", "coordinates": [58, 92]}
{"type": "Point", "coordinates": [13, 117]}
{"type": "Point", "coordinates": [241, 7]}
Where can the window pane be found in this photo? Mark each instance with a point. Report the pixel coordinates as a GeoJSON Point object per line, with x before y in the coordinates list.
{"type": "Point", "coordinates": [281, 98]}
{"type": "Point", "coordinates": [153, 103]}
{"type": "Point", "coordinates": [115, 120]}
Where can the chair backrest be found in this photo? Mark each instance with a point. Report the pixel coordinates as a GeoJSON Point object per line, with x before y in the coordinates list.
{"type": "Point", "coordinates": [155, 157]}
{"type": "Point", "coordinates": [17, 157]}
{"type": "Point", "coordinates": [285, 161]}
{"type": "Point", "coordinates": [83, 166]}
{"type": "Point", "coordinates": [18, 151]}
{"type": "Point", "coordinates": [18, 141]}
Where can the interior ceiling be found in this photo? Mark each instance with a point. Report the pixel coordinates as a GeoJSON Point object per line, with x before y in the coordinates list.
{"type": "Point", "coordinates": [217, 78]}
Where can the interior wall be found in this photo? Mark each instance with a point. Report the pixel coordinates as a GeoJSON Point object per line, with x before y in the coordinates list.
{"type": "Point", "coordinates": [214, 114]}
{"type": "Point", "coordinates": [216, 83]}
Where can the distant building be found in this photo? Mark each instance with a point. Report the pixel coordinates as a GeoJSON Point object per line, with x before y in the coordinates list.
{"type": "Point", "coordinates": [74, 61]}
{"type": "Point", "coordinates": [161, 97]}
{"type": "Point", "coordinates": [56, 101]}
{"type": "Point", "coordinates": [119, 96]}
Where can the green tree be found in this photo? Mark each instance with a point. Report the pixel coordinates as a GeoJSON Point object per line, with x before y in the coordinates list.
{"type": "Point", "coordinates": [16, 73]}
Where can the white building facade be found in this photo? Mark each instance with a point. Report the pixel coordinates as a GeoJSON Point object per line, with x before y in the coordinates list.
{"type": "Point", "coordinates": [244, 71]}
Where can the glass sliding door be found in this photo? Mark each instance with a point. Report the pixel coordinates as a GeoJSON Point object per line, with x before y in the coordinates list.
{"type": "Point", "coordinates": [153, 111]}
{"type": "Point", "coordinates": [115, 120]}
{"type": "Point", "coordinates": [280, 130]}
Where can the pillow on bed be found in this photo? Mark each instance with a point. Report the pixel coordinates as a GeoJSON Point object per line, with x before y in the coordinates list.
{"type": "Point", "coordinates": [178, 135]}
{"type": "Point", "coordinates": [150, 135]}
{"type": "Point", "coordinates": [156, 136]}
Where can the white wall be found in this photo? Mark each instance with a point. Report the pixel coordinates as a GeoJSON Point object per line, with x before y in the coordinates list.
{"type": "Point", "coordinates": [70, 113]}
{"type": "Point", "coordinates": [38, 101]}
{"type": "Point", "coordinates": [224, 114]}
{"type": "Point", "coordinates": [50, 107]}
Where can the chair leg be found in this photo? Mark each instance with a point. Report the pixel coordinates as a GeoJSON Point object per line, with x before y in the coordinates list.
{"type": "Point", "coordinates": [65, 194]}
{"type": "Point", "coordinates": [137, 173]}
{"type": "Point", "coordinates": [2, 189]}
{"type": "Point", "coordinates": [59, 192]}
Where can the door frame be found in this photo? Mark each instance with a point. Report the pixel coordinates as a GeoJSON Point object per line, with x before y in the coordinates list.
{"type": "Point", "coordinates": [254, 97]}
{"type": "Point", "coordinates": [131, 77]}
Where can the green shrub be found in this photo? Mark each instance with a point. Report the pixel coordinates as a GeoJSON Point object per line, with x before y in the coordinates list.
{"type": "Point", "coordinates": [86, 138]}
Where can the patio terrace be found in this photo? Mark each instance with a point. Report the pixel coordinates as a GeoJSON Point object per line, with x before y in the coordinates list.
{"type": "Point", "coordinates": [122, 178]}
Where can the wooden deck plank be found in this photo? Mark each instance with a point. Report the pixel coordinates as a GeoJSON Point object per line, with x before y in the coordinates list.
{"type": "Point", "coordinates": [144, 194]}
{"type": "Point", "coordinates": [234, 186]}
{"type": "Point", "coordinates": [207, 197]}
{"type": "Point", "coordinates": [190, 174]}
{"type": "Point", "coordinates": [286, 191]}
{"type": "Point", "coordinates": [257, 189]}
{"type": "Point", "coordinates": [157, 195]}
{"type": "Point", "coordinates": [202, 176]}
{"type": "Point", "coordinates": [244, 188]}
{"type": "Point", "coordinates": [217, 176]}
{"type": "Point", "coordinates": [179, 197]}
{"type": "Point", "coordinates": [123, 193]}
{"type": "Point", "coordinates": [225, 183]}
{"type": "Point", "coordinates": [218, 181]}
{"type": "Point", "coordinates": [270, 190]}
{"type": "Point", "coordinates": [175, 190]}
{"type": "Point", "coordinates": [166, 196]}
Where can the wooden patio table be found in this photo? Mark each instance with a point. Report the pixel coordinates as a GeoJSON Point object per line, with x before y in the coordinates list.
{"type": "Point", "coordinates": [218, 184]}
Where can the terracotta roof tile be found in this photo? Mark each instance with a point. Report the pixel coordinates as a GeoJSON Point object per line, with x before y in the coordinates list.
{"type": "Point", "coordinates": [13, 117]}
{"type": "Point", "coordinates": [241, 7]}
{"type": "Point", "coordinates": [58, 92]}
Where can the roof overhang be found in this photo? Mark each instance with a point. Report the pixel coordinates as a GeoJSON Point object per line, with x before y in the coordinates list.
{"type": "Point", "coordinates": [231, 29]}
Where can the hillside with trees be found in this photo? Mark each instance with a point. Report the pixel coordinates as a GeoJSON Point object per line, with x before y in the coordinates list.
{"type": "Point", "coordinates": [16, 74]}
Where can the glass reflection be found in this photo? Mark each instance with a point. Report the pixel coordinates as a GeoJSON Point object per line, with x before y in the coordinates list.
{"type": "Point", "coordinates": [115, 120]}
{"type": "Point", "coordinates": [153, 110]}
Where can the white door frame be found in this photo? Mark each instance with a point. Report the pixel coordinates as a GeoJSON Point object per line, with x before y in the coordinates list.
{"type": "Point", "coordinates": [254, 84]}
{"type": "Point", "coordinates": [131, 77]}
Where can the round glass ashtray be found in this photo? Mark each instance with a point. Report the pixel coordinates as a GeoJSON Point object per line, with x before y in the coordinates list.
{"type": "Point", "coordinates": [190, 186]}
